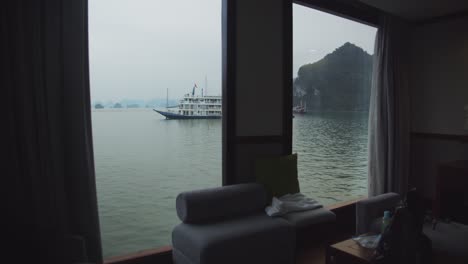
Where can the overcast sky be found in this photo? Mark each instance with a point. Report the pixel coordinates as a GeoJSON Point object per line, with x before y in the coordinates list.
{"type": "Point", "coordinates": [140, 48]}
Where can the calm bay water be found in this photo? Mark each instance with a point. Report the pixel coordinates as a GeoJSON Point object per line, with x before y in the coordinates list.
{"type": "Point", "coordinates": [143, 161]}
{"type": "Point", "coordinates": [332, 155]}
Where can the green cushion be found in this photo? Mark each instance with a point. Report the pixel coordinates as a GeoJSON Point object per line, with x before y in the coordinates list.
{"type": "Point", "coordinates": [278, 175]}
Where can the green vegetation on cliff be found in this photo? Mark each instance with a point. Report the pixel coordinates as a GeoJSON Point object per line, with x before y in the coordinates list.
{"type": "Point", "coordinates": [340, 81]}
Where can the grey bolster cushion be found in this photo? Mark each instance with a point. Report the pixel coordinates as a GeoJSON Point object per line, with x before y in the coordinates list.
{"type": "Point", "coordinates": [215, 203]}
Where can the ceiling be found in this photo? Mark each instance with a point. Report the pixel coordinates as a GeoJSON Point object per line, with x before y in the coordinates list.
{"type": "Point", "coordinates": [419, 9]}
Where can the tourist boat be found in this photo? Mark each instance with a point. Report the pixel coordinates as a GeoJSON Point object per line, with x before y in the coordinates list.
{"type": "Point", "coordinates": [300, 109]}
{"type": "Point", "coordinates": [194, 107]}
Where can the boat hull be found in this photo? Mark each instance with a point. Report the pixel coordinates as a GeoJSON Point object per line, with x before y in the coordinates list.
{"type": "Point", "coordinates": [169, 115]}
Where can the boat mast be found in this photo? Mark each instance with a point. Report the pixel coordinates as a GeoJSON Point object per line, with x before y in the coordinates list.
{"type": "Point", "coordinates": [206, 85]}
{"type": "Point", "coordinates": [167, 97]}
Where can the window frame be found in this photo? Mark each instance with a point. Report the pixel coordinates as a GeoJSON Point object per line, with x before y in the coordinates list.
{"type": "Point", "coordinates": [353, 10]}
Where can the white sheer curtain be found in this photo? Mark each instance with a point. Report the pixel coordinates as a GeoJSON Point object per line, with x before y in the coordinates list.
{"type": "Point", "coordinates": [389, 116]}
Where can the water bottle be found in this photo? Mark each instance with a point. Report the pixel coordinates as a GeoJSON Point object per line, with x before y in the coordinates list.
{"type": "Point", "coordinates": [386, 220]}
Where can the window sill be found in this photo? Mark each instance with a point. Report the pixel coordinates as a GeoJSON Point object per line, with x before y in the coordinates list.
{"type": "Point", "coordinates": [340, 205]}
{"type": "Point", "coordinates": [144, 256]}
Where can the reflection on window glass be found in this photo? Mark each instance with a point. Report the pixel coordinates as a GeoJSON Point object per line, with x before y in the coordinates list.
{"type": "Point", "coordinates": [152, 62]}
{"type": "Point", "coordinates": [332, 60]}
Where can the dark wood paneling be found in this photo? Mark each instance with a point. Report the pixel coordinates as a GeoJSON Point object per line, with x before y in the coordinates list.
{"type": "Point", "coordinates": [230, 139]}
{"type": "Point", "coordinates": [287, 76]}
{"type": "Point", "coordinates": [361, 12]}
{"type": "Point", "coordinates": [260, 139]}
{"type": "Point", "coordinates": [350, 9]}
{"type": "Point", "coordinates": [345, 216]}
{"type": "Point", "coordinates": [228, 92]}
{"type": "Point", "coordinates": [435, 136]}
{"type": "Point", "coordinates": [451, 185]}
{"type": "Point", "coordinates": [444, 18]}
{"type": "Point", "coordinates": [247, 154]}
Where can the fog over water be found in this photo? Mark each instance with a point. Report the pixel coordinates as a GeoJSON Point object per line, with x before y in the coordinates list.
{"type": "Point", "coordinates": [140, 48]}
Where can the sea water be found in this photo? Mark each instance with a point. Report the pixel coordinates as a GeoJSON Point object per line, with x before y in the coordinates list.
{"type": "Point", "coordinates": [143, 161]}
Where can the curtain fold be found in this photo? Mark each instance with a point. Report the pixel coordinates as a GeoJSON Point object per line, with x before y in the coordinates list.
{"type": "Point", "coordinates": [49, 141]}
{"type": "Point", "coordinates": [389, 114]}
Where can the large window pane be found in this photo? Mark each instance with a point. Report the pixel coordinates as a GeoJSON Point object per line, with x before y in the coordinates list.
{"type": "Point", "coordinates": [147, 55]}
{"type": "Point", "coordinates": [332, 60]}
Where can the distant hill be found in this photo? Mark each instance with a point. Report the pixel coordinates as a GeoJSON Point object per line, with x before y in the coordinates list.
{"type": "Point", "coordinates": [98, 106]}
{"type": "Point", "coordinates": [132, 103]}
{"type": "Point", "coordinates": [133, 106]}
{"type": "Point", "coordinates": [137, 103]}
{"type": "Point", "coordinates": [340, 81]}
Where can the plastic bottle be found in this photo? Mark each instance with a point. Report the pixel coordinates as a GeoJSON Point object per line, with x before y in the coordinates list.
{"type": "Point", "coordinates": [386, 220]}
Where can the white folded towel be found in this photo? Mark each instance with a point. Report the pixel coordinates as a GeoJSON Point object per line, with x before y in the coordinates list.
{"type": "Point", "coordinates": [291, 203]}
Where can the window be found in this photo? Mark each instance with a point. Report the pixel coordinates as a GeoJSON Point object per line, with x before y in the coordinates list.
{"type": "Point", "coordinates": [332, 71]}
{"type": "Point", "coordinates": [145, 56]}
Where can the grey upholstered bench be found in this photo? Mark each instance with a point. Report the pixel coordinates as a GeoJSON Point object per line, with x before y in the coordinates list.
{"type": "Point", "coordinates": [228, 225]}
{"type": "Point", "coordinates": [314, 226]}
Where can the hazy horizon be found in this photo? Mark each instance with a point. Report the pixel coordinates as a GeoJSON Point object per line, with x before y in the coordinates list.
{"type": "Point", "coordinates": [139, 49]}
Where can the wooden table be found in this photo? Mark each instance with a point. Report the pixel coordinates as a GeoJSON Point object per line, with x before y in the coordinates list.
{"type": "Point", "coordinates": [348, 251]}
